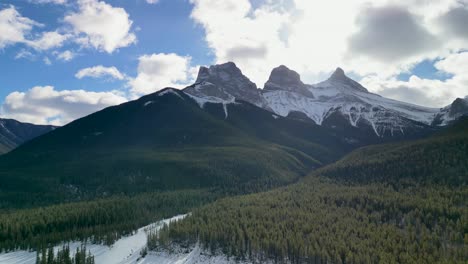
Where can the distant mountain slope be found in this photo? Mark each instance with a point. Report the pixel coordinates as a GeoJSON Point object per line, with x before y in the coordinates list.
{"type": "Point", "coordinates": [441, 159]}
{"type": "Point", "coordinates": [167, 141]}
{"type": "Point", "coordinates": [14, 133]}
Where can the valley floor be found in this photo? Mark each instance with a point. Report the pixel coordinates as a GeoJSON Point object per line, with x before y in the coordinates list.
{"type": "Point", "coordinates": [127, 251]}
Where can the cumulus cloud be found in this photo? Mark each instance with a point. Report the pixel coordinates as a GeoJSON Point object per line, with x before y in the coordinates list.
{"type": "Point", "coordinates": [157, 71]}
{"type": "Point", "coordinates": [152, 1]}
{"type": "Point", "coordinates": [455, 21]}
{"type": "Point", "coordinates": [375, 40]}
{"type": "Point", "coordinates": [48, 40]}
{"type": "Point", "coordinates": [14, 27]}
{"type": "Point", "coordinates": [237, 33]}
{"type": "Point", "coordinates": [100, 72]}
{"type": "Point", "coordinates": [427, 92]}
{"type": "Point", "coordinates": [456, 64]}
{"type": "Point", "coordinates": [390, 34]}
{"type": "Point", "coordinates": [57, 2]}
{"type": "Point", "coordinates": [66, 55]}
{"type": "Point", "coordinates": [25, 54]}
{"type": "Point", "coordinates": [47, 61]}
{"type": "Point", "coordinates": [45, 105]}
{"type": "Point", "coordinates": [101, 26]}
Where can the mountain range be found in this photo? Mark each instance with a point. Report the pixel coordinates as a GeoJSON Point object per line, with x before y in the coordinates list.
{"type": "Point", "coordinates": [337, 102]}
{"type": "Point", "coordinates": [221, 132]}
{"type": "Point", "coordinates": [334, 173]}
{"type": "Point", "coordinates": [14, 133]}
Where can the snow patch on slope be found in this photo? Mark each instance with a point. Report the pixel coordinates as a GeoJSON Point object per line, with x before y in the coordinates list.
{"type": "Point", "coordinates": [329, 97]}
{"type": "Point", "coordinates": [201, 101]}
{"type": "Point", "coordinates": [169, 91]}
{"type": "Point", "coordinates": [196, 256]}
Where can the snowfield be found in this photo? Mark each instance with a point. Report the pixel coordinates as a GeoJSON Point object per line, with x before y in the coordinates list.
{"type": "Point", "coordinates": [127, 251]}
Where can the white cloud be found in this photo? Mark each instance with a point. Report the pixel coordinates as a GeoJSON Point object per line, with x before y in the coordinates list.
{"type": "Point", "coordinates": [48, 40]}
{"type": "Point", "coordinates": [99, 72]}
{"type": "Point", "coordinates": [47, 61]}
{"type": "Point", "coordinates": [57, 2]}
{"type": "Point", "coordinates": [427, 92]}
{"type": "Point", "coordinates": [45, 105]}
{"type": "Point", "coordinates": [249, 37]}
{"type": "Point", "coordinates": [101, 26]}
{"type": "Point", "coordinates": [455, 64]}
{"type": "Point", "coordinates": [14, 27]}
{"type": "Point", "coordinates": [152, 1]}
{"type": "Point", "coordinates": [157, 71]}
{"type": "Point", "coordinates": [379, 38]}
{"type": "Point", "coordinates": [25, 54]}
{"type": "Point", "coordinates": [66, 55]}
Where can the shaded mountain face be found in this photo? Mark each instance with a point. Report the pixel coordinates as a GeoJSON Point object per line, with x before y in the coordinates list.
{"type": "Point", "coordinates": [225, 82]}
{"type": "Point", "coordinates": [14, 133]}
{"type": "Point", "coordinates": [165, 141]}
{"type": "Point", "coordinates": [339, 78]}
{"type": "Point", "coordinates": [452, 112]}
{"type": "Point", "coordinates": [282, 78]}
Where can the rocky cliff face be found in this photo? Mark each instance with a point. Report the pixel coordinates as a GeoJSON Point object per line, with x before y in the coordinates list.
{"type": "Point", "coordinates": [225, 82]}
{"type": "Point", "coordinates": [284, 79]}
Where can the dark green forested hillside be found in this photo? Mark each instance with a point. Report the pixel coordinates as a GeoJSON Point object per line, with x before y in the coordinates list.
{"type": "Point", "coordinates": [440, 159]}
{"type": "Point", "coordinates": [370, 207]}
{"type": "Point", "coordinates": [165, 141]}
{"type": "Point", "coordinates": [160, 142]}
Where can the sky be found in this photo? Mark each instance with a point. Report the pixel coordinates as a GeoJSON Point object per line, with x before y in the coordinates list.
{"type": "Point", "coordinates": [63, 59]}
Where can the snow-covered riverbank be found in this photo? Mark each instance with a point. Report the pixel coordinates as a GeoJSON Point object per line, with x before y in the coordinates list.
{"type": "Point", "coordinates": [127, 251]}
{"type": "Point", "coordinates": [124, 250]}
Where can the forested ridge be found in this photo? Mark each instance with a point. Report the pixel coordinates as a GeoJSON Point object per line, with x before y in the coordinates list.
{"type": "Point", "coordinates": [169, 144]}
{"type": "Point", "coordinates": [397, 203]}
{"type": "Point", "coordinates": [438, 160]}
{"type": "Point", "coordinates": [322, 221]}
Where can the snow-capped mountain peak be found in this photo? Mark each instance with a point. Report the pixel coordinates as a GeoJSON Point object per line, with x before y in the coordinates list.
{"type": "Point", "coordinates": [225, 82]}
{"type": "Point", "coordinates": [339, 74]}
{"type": "Point", "coordinates": [342, 101]}
{"type": "Point", "coordinates": [337, 102]}
{"type": "Point", "coordinates": [282, 78]}
{"type": "Point", "coordinates": [339, 80]}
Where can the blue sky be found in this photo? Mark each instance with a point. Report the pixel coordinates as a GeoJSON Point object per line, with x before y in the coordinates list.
{"type": "Point", "coordinates": [85, 63]}
{"type": "Point", "coordinates": [163, 28]}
